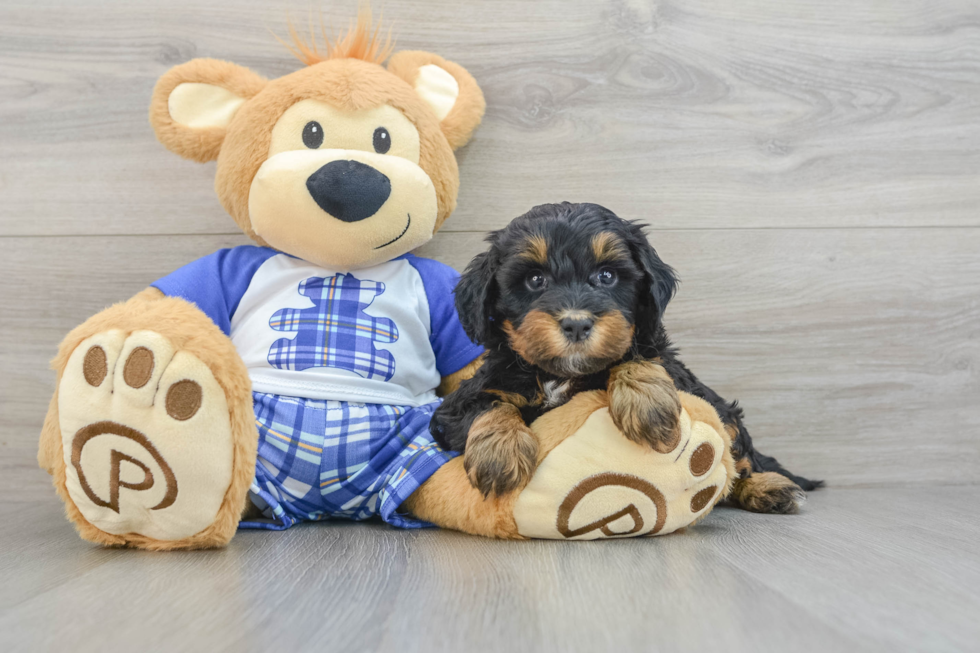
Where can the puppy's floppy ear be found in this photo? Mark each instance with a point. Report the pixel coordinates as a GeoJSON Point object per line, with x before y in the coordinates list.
{"type": "Point", "coordinates": [475, 294]}
{"type": "Point", "coordinates": [193, 103]}
{"type": "Point", "coordinates": [660, 279]}
{"type": "Point", "coordinates": [447, 88]}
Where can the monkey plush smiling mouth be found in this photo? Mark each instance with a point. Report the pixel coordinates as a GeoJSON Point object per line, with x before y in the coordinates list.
{"type": "Point", "coordinates": [570, 298]}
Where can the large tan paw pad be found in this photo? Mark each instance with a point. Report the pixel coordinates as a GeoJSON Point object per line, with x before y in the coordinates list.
{"type": "Point", "coordinates": [598, 484]}
{"type": "Point", "coordinates": [146, 436]}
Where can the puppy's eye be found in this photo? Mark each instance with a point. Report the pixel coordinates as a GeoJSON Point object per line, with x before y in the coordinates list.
{"type": "Point", "coordinates": [382, 140]}
{"type": "Point", "coordinates": [536, 281]}
{"type": "Point", "coordinates": [605, 277]}
{"type": "Point", "coordinates": [313, 135]}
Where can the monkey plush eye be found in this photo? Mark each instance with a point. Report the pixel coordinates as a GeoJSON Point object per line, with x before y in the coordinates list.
{"type": "Point", "coordinates": [605, 277]}
{"type": "Point", "coordinates": [536, 281]}
{"type": "Point", "coordinates": [312, 135]}
{"type": "Point", "coordinates": [382, 140]}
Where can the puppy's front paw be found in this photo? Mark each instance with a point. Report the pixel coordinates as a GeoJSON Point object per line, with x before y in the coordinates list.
{"type": "Point", "coordinates": [644, 405]}
{"type": "Point", "coordinates": [501, 452]}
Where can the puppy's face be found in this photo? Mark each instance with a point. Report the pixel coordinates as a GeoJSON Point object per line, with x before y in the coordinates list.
{"type": "Point", "coordinates": [565, 285]}
{"type": "Point", "coordinates": [567, 298]}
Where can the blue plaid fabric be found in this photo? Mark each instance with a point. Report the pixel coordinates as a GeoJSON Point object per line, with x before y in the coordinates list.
{"type": "Point", "coordinates": [321, 459]}
{"type": "Point", "coordinates": [335, 332]}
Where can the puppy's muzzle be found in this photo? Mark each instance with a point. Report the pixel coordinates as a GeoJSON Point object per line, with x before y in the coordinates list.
{"type": "Point", "coordinates": [349, 190]}
{"type": "Point", "coordinates": [576, 329]}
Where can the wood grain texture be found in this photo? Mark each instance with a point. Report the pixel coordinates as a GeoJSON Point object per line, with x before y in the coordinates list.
{"type": "Point", "coordinates": [855, 352]}
{"type": "Point", "coordinates": [862, 569]}
{"type": "Point", "coordinates": [696, 114]}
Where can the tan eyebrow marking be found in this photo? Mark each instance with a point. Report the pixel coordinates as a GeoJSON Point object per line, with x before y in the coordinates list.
{"type": "Point", "coordinates": [536, 249]}
{"type": "Point", "coordinates": [606, 247]}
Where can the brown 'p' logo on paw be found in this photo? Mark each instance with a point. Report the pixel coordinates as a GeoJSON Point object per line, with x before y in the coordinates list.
{"type": "Point", "coordinates": [593, 483]}
{"type": "Point", "coordinates": [116, 458]}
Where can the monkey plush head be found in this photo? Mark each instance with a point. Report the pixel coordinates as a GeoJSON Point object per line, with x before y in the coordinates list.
{"type": "Point", "coordinates": [345, 163]}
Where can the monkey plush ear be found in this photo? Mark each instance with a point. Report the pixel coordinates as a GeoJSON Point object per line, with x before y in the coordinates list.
{"type": "Point", "coordinates": [446, 87]}
{"type": "Point", "coordinates": [193, 103]}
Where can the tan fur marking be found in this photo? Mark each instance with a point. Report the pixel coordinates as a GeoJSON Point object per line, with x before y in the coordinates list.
{"type": "Point", "coordinates": [612, 335]}
{"type": "Point", "coordinates": [743, 466]}
{"type": "Point", "coordinates": [644, 405]}
{"type": "Point", "coordinates": [539, 337]}
{"type": "Point", "coordinates": [501, 452]}
{"type": "Point", "coordinates": [606, 247]}
{"type": "Point", "coordinates": [540, 340]}
{"type": "Point", "coordinates": [511, 398]}
{"type": "Point", "coordinates": [768, 492]}
{"type": "Point", "coordinates": [536, 249]}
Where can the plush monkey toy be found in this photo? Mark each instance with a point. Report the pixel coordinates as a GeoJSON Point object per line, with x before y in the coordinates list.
{"type": "Point", "coordinates": [290, 381]}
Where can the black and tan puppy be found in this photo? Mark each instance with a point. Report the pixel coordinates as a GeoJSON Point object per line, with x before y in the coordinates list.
{"type": "Point", "coordinates": [570, 298]}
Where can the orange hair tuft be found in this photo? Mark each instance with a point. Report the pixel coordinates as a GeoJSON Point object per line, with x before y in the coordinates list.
{"type": "Point", "coordinates": [360, 41]}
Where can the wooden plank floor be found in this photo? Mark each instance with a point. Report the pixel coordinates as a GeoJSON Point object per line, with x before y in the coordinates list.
{"type": "Point", "coordinates": [812, 170]}
{"type": "Point", "coordinates": [860, 569]}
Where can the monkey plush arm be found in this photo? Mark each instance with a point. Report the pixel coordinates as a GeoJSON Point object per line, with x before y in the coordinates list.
{"type": "Point", "coordinates": [450, 383]}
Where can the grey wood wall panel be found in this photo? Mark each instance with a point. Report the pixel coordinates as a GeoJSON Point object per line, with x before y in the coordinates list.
{"type": "Point", "coordinates": [698, 114]}
{"type": "Point", "coordinates": [856, 352]}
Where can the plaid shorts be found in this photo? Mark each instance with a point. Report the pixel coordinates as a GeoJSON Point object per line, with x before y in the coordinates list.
{"type": "Point", "coordinates": [322, 459]}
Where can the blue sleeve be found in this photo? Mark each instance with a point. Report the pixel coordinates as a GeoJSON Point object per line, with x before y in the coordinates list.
{"type": "Point", "coordinates": [453, 348]}
{"type": "Point", "coordinates": [216, 283]}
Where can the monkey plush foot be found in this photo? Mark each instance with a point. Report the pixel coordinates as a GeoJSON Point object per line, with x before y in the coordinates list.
{"type": "Point", "coordinates": [146, 437]}
{"type": "Point", "coordinates": [591, 481]}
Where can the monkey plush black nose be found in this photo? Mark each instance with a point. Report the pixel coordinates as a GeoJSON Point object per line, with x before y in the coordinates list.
{"type": "Point", "coordinates": [348, 190]}
{"type": "Point", "coordinates": [576, 329]}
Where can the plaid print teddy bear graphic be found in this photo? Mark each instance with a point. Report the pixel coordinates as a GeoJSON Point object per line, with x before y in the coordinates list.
{"type": "Point", "coordinates": [336, 331]}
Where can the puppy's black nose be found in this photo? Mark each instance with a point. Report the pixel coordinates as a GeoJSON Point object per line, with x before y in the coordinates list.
{"type": "Point", "coordinates": [348, 190]}
{"type": "Point", "coordinates": [576, 329]}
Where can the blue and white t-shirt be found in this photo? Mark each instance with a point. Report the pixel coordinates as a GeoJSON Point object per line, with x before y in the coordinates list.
{"type": "Point", "coordinates": [380, 335]}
